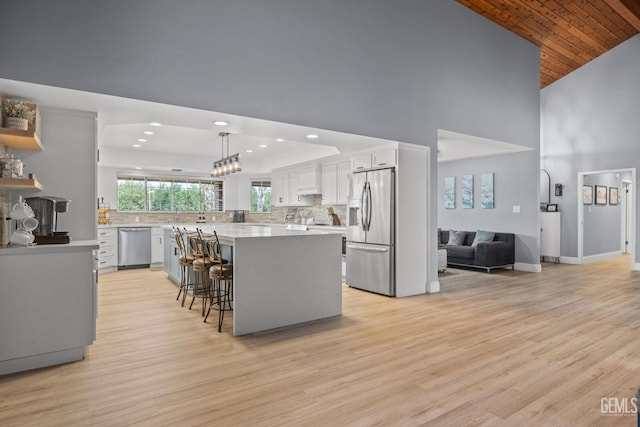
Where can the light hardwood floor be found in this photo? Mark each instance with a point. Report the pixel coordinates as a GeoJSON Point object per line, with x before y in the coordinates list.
{"type": "Point", "coordinates": [506, 348]}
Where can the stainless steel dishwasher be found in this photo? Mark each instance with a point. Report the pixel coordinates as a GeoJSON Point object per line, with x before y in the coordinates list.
{"type": "Point", "coordinates": [134, 247]}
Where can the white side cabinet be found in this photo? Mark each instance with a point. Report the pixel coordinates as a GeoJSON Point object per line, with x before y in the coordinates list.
{"type": "Point", "coordinates": [550, 235]}
{"type": "Point", "coordinates": [108, 251]}
{"type": "Point", "coordinates": [157, 247]}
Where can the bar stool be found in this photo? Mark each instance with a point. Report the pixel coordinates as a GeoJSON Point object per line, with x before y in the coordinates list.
{"type": "Point", "coordinates": [201, 265]}
{"type": "Point", "coordinates": [186, 261]}
{"type": "Point", "coordinates": [220, 299]}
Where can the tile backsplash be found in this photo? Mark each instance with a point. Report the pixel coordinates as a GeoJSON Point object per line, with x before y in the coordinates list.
{"type": "Point", "coordinates": [276, 216]}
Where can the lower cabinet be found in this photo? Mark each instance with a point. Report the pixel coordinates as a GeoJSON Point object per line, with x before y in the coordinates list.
{"type": "Point", "coordinates": [172, 258]}
{"type": "Point", "coordinates": [48, 312]}
{"type": "Point", "coordinates": [108, 251]}
{"type": "Point", "coordinates": [157, 247]}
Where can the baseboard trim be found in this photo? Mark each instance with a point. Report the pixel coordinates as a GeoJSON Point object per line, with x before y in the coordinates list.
{"type": "Point", "coordinates": [569, 260]}
{"type": "Point", "coordinates": [433, 287]}
{"type": "Point", "coordinates": [531, 268]}
{"type": "Point", "coordinates": [601, 257]}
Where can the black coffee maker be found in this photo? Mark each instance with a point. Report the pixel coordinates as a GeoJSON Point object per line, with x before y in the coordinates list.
{"type": "Point", "coordinates": [46, 211]}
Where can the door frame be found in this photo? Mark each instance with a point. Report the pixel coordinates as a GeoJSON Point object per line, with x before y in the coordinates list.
{"type": "Point", "coordinates": [632, 223]}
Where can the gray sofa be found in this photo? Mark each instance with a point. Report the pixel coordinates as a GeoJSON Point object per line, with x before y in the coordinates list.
{"type": "Point", "coordinates": [499, 253]}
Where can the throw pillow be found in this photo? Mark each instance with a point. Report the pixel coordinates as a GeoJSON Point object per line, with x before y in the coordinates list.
{"type": "Point", "coordinates": [483, 236]}
{"type": "Point", "coordinates": [456, 238]}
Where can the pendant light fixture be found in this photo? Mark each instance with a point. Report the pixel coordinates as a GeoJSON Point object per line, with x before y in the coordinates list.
{"type": "Point", "coordinates": [226, 165]}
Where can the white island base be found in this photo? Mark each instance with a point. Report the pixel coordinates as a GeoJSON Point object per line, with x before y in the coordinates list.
{"type": "Point", "coordinates": [282, 277]}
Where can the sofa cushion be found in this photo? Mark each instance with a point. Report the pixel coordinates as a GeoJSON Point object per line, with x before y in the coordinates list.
{"type": "Point", "coordinates": [483, 236]}
{"type": "Point", "coordinates": [461, 252]}
{"type": "Point", "coordinates": [456, 238]}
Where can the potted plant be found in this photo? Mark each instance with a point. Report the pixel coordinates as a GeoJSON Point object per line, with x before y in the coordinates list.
{"type": "Point", "coordinates": [17, 114]}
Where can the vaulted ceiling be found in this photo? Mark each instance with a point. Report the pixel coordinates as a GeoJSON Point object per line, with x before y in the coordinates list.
{"type": "Point", "coordinates": [570, 33]}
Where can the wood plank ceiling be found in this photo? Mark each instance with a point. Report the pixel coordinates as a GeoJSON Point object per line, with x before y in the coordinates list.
{"type": "Point", "coordinates": [570, 33]}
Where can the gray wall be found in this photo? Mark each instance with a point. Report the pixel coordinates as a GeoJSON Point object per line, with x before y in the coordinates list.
{"type": "Point", "coordinates": [396, 70]}
{"type": "Point", "coordinates": [66, 167]}
{"type": "Point", "coordinates": [603, 223]}
{"type": "Point", "coordinates": [509, 190]}
{"type": "Point", "coordinates": [589, 122]}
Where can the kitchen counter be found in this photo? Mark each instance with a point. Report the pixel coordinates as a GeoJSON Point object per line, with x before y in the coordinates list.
{"type": "Point", "coordinates": [48, 298]}
{"type": "Point", "coordinates": [74, 245]}
{"type": "Point", "coordinates": [281, 277]}
{"type": "Point", "coordinates": [341, 229]}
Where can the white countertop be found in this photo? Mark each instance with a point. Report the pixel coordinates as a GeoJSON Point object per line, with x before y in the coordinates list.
{"type": "Point", "coordinates": [74, 245]}
{"type": "Point", "coordinates": [242, 230]}
{"type": "Point", "coordinates": [331, 228]}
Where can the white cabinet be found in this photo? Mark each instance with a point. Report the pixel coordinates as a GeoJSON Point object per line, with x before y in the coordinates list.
{"type": "Point", "coordinates": [157, 247]}
{"type": "Point", "coordinates": [284, 190]}
{"type": "Point", "coordinates": [309, 180]}
{"type": "Point", "coordinates": [108, 251]}
{"type": "Point", "coordinates": [335, 182]}
{"type": "Point", "coordinates": [379, 158]}
{"type": "Point", "coordinates": [383, 157]}
{"type": "Point", "coordinates": [550, 234]}
{"type": "Point", "coordinates": [361, 161]}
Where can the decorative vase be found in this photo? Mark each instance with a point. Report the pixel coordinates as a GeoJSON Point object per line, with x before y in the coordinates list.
{"type": "Point", "coordinates": [16, 123]}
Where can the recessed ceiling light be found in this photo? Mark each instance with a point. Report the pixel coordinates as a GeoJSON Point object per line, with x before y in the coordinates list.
{"type": "Point", "coordinates": [312, 136]}
{"type": "Point", "coordinates": [155, 124]}
{"type": "Point", "coordinates": [137, 145]}
{"type": "Point", "coordinates": [249, 151]}
{"type": "Point", "coordinates": [220, 123]}
{"type": "Point", "coordinates": [138, 168]}
{"type": "Point", "coordinates": [142, 140]}
{"type": "Point", "coordinates": [263, 145]}
{"type": "Point", "coordinates": [279, 139]}
{"type": "Point", "coordinates": [148, 132]}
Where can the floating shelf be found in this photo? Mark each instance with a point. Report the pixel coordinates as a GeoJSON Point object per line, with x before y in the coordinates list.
{"type": "Point", "coordinates": [20, 184]}
{"type": "Point", "coordinates": [20, 139]}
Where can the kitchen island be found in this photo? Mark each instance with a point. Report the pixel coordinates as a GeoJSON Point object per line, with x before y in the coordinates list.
{"type": "Point", "coordinates": [281, 277]}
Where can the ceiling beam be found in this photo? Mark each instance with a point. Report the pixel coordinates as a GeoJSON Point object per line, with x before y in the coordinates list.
{"type": "Point", "coordinates": [628, 9]}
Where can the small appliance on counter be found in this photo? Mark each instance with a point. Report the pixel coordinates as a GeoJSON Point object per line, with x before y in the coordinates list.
{"type": "Point", "coordinates": [46, 211]}
{"type": "Point", "coordinates": [238, 216]}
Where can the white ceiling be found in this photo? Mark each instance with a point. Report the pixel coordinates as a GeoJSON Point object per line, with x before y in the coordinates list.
{"type": "Point", "coordinates": [458, 146]}
{"type": "Point", "coordinates": [188, 139]}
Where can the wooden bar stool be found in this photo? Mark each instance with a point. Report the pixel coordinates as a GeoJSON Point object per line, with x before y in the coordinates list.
{"type": "Point", "coordinates": [220, 272]}
{"type": "Point", "coordinates": [186, 261]}
{"type": "Point", "coordinates": [201, 265]}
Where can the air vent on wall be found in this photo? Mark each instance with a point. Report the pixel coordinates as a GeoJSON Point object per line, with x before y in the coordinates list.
{"type": "Point", "coordinates": [176, 170]}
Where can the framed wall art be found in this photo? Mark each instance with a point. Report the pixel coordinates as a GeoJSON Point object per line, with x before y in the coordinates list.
{"type": "Point", "coordinates": [450, 192]}
{"type": "Point", "coordinates": [467, 191]}
{"type": "Point", "coordinates": [587, 194]}
{"type": "Point", "coordinates": [613, 195]}
{"type": "Point", "coordinates": [486, 185]}
{"type": "Point", "coordinates": [601, 195]}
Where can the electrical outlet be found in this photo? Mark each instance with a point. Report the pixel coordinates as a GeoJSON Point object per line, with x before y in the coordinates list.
{"type": "Point", "coordinates": [137, 219]}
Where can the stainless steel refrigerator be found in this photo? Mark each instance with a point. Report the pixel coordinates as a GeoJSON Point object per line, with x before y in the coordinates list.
{"type": "Point", "coordinates": [371, 231]}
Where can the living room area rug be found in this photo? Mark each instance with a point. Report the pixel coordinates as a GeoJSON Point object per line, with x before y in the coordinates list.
{"type": "Point", "coordinates": [452, 273]}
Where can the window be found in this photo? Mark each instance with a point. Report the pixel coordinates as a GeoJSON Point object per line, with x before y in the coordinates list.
{"type": "Point", "coordinates": [260, 196]}
{"type": "Point", "coordinates": [153, 194]}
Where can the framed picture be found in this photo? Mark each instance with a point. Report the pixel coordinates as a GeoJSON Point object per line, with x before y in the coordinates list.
{"type": "Point", "coordinates": [486, 187]}
{"type": "Point", "coordinates": [552, 207]}
{"type": "Point", "coordinates": [450, 192]}
{"type": "Point", "coordinates": [467, 191]}
{"type": "Point", "coordinates": [613, 195]}
{"type": "Point", "coordinates": [587, 194]}
{"type": "Point", "coordinates": [601, 195]}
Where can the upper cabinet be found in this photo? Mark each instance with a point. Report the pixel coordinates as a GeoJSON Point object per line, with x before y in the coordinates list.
{"type": "Point", "coordinates": [335, 182]}
{"type": "Point", "coordinates": [379, 158]}
{"type": "Point", "coordinates": [309, 180]}
{"type": "Point", "coordinates": [20, 140]}
{"type": "Point", "coordinates": [284, 190]}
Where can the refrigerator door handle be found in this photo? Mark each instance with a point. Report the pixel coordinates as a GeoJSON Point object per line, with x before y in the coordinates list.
{"type": "Point", "coordinates": [368, 248]}
{"type": "Point", "coordinates": [369, 205]}
{"type": "Point", "coordinates": [362, 199]}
